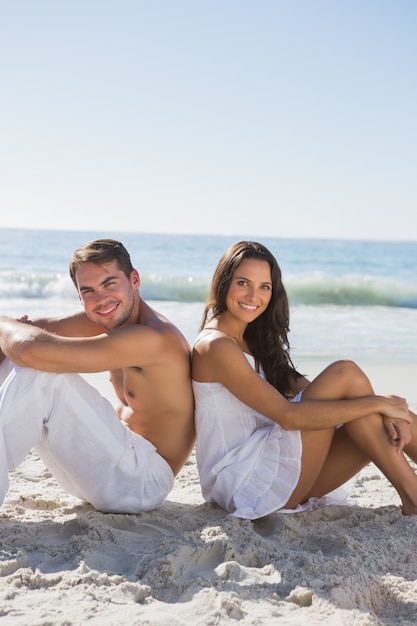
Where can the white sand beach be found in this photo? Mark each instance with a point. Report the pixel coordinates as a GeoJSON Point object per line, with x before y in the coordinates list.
{"type": "Point", "coordinates": [63, 563]}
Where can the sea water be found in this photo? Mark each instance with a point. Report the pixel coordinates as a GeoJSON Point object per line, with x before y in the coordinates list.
{"type": "Point", "coordinates": [348, 299]}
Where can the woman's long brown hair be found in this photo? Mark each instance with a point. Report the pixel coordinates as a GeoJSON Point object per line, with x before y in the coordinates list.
{"type": "Point", "coordinates": [267, 336]}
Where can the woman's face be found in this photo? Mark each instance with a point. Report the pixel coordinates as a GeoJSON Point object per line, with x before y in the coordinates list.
{"type": "Point", "coordinates": [250, 290]}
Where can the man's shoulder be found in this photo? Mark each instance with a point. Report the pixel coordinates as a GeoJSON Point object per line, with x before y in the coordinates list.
{"type": "Point", "coordinates": [157, 323]}
{"type": "Point", "coordinates": [159, 336]}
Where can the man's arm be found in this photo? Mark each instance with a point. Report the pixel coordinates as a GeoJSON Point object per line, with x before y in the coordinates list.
{"type": "Point", "coordinates": [73, 325]}
{"type": "Point", "coordinates": [29, 346]}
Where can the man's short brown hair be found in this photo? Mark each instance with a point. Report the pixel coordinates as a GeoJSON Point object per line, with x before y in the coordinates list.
{"type": "Point", "coordinates": [101, 251]}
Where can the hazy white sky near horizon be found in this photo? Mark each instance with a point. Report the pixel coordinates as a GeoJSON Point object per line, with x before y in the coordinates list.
{"type": "Point", "coordinates": [280, 118]}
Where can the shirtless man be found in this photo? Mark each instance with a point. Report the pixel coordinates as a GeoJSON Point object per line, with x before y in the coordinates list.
{"type": "Point", "coordinates": [120, 460]}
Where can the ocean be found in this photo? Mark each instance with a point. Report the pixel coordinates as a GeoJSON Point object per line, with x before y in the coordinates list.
{"type": "Point", "coordinates": [348, 299]}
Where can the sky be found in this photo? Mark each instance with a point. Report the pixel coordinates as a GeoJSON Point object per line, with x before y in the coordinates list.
{"type": "Point", "coordinates": [286, 118]}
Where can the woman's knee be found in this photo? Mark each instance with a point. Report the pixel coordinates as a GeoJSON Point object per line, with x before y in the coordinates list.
{"type": "Point", "coordinates": [351, 376]}
{"type": "Point", "coordinates": [345, 367]}
{"type": "Point", "coordinates": [341, 379]}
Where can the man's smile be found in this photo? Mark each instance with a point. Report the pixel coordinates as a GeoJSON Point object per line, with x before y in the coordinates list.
{"type": "Point", "coordinates": [107, 311]}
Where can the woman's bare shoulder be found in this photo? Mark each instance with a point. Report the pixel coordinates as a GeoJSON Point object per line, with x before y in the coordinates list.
{"type": "Point", "coordinates": [213, 340]}
{"type": "Point", "coordinates": [215, 355]}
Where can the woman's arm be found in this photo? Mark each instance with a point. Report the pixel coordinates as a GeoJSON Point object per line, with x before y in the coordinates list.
{"type": "Point", "coordinates": [220, 359]}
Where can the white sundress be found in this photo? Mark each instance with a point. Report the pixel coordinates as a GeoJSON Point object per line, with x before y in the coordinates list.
{"type": "Point", "coordinates": [247, 463]}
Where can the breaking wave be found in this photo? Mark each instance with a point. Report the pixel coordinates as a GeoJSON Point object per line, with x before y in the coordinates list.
{"type": "Point", "coordinates": [313, 289]}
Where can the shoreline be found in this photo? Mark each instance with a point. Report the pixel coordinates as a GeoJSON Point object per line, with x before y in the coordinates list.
{"type": "Point", "coordinates": [387, 379]}
{"type": "Point", "coordinates": [395, 378]}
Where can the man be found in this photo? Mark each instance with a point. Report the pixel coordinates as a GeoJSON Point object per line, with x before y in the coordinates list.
{"type": "Point", "coordinates": [120, 460]}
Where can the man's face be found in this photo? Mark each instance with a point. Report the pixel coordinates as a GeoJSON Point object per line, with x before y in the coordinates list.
{"type": "Point", "coordinates": [109, 298]}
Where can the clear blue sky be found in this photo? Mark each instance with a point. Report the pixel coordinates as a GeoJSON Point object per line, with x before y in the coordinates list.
{"type": "Point", "coordinates": [264, 117]}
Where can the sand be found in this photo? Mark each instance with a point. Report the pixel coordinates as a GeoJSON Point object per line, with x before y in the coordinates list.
{"type": "Point", "coordinates": [62, 562]}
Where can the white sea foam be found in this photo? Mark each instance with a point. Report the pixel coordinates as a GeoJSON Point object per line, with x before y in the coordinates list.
{"type": "Point", "coordinates": [346, 298]}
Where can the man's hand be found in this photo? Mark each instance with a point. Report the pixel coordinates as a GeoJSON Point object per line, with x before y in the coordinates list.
{"type": "Point", "coordinates": [24, 319]}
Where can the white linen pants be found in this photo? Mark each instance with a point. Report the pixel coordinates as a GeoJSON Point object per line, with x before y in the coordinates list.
{"type": "Point", "coordinates": [80, 438]}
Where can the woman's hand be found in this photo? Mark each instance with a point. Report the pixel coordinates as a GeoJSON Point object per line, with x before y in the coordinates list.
{"type": "Point", "coordinates": [397, 421]}
{"type": "Point", "coordinates": [399, 432]}
{"type": "Point", "coordinates": [396, 408]}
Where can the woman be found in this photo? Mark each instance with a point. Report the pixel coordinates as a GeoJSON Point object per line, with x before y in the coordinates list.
{"type": "Point", "coordinates": [267, 438]}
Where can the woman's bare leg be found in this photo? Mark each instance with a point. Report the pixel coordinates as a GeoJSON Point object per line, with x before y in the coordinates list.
{"type": "Point", "coordinates": [329, 459]}
{"type": "Point", "coordinates": [340, 380]}
{"type": "Point", "coordinates": [369, 436]}
{"type": "Point", "coordinates": [411, 448]}
{"type": "Point", "coordinates": [352, 446]}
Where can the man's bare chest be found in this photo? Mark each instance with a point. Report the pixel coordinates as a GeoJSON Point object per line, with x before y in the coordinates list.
{"type": "Point", "coordinates": [128, 384]}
